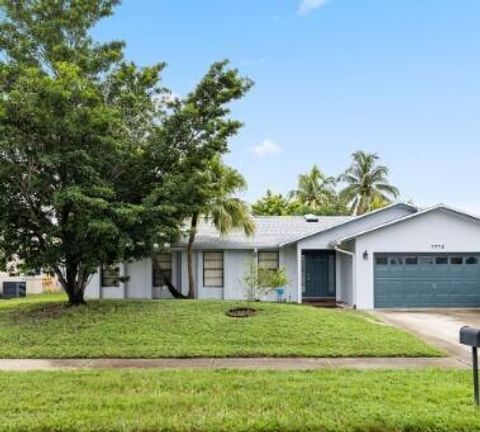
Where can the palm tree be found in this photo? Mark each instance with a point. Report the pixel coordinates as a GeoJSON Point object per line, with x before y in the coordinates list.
{"type": "Point", "coordinates": [224, 209]}
{"type": "Point", "coordinates": [314, 189]}
{"type": "Point", "coordinates": [367, 184]}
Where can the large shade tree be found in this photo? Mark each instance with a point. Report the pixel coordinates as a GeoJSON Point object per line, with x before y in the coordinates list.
{"type": "Point", "coordinates": [367, 185]}
{"type": "Point", "coordinates": [93, 160]}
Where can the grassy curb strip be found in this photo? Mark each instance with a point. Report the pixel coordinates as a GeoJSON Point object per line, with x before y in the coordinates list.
{"type": "Point", "coordinates": [431, 400]}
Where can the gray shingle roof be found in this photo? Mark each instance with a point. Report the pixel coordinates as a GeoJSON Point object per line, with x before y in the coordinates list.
{"type": "Point", "coordinates": [270, 233]}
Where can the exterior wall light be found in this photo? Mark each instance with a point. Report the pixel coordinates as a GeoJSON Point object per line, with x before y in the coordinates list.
{"type": "Point", "coordinates": [365, 255]}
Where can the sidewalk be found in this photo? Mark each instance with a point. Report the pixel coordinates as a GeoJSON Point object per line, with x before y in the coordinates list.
{"type": "Point", "coordinates": [232, 363]}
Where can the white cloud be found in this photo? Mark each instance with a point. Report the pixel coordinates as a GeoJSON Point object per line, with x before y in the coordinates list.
{"type": "Point", "coordinates": [266, 148]}
{"type": "Point", "coordinates": [306, 6]}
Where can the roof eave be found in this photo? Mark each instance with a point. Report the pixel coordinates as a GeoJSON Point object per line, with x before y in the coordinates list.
{"type": "Point", "coordinates": [408, 217]}
{"type": "Point", "coordinates": [354, 219]}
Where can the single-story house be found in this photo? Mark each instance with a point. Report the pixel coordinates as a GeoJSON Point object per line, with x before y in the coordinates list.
{"type": "Point", "coordinates": [396, 257]}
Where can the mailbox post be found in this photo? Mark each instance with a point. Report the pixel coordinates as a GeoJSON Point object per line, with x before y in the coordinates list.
{"type": "Point", "coordinates": [471, 337]}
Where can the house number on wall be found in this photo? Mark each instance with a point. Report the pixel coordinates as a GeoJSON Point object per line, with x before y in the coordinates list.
{"type": "Point", "coordinates": [438, 246]}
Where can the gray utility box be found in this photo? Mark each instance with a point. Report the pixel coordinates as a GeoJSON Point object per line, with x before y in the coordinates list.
{"type": "Point", "coordinates": [470, 336]}
{"type": "Point", "coordinates": [14, 289]}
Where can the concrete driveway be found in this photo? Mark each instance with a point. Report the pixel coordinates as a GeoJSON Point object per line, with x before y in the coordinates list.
{"type": "Point", "coordinates": [439, 327]}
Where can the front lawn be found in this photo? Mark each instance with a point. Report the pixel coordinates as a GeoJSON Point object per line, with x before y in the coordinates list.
{"type": "Point", "coordinates": [44, 327]}
{"type": "Point", "coordinates": [431, 400]}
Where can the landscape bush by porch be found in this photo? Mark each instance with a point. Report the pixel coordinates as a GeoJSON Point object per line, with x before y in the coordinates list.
{"type": "Point", "coordinates": [45, 327]}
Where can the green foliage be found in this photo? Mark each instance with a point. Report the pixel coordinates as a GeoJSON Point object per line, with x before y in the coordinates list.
{"type": "Point", "coordinates": [218, 202]}
{"type": "Point", "coordinates": [225, 209]}
{"type": "Point", "coordinates": [75, 124]}
{"type": "Point", "coordinates": [259, 282]}
{"type": "Point", "coordinates": [367, 189]}
{"type": "Point", "coordinates": [279, 205]}
{"type": "Point", "coordinates": [96, 164]}
{"type": "Point", "coordinates": [201, 124]}
{"type": "Point", "coordinates": [272, 205]}
{"type": "Point", "coordinates": [275, 278]}
{"type": "Point", "coordinates": [315, 189]}
{"type": "Point", "coordinates": [198, 182]}
{"type": "Point", "coordinates": [256, 281]}
{"type": "Point", "coordinates": [367, 184]}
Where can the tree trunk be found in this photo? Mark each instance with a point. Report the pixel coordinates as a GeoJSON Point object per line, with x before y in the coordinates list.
{"type": "Point", "coordinates": [73, 282]}
{"type": "Point", "coordinates": [191, 240]}
{"type": "Point", "coordinates": [76, 298]}
{"type": "Point", "coordinates": [173, 291]}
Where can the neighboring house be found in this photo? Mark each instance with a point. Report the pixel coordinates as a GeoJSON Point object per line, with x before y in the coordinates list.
{"type": "Point", "coordinates": [33, 284]}
{"type": "Point", "coordinates": [395, 257]}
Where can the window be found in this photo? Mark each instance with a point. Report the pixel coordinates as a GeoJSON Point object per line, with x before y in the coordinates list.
{"type": "Point", "coordinates": [411, 260]}
{"type": "Point", "coordinates": [441, 260]}
{"type": "Point", "coordinates": [471, 260]}
{"type": "Point", "coordinates": [111, 275]}
{"type": "Point", "coordinates": [213, 269]}
{"type": "Point", "coordinates": [382, 260]}
{"type": "Point", "coordinates": [396, 260]}
{"type": "Point", "coordinates": [161, 269]}
{"type": "Point", "coordinates": [268, 260]}
{"type": "Point", "coordinates": [425, 260]}
{"type": "Point", "coordinates": [456, 260]}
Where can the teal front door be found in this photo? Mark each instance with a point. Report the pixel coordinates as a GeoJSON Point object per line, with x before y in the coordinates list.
{"type": "Point", "coordinates": [319, 274]}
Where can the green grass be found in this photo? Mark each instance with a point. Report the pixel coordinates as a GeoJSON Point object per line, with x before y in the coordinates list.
{"type": "Point", "coordinates": [43, 326]}
{"type": "Point", "coordinates": [380, 401]}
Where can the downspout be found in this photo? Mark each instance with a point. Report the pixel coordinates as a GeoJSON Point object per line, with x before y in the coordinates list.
{"type": "Point", "coordinates": [354, 266]}
{"type": "Point", "coordinates": [299, 275]}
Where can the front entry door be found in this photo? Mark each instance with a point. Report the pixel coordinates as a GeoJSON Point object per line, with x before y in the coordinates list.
{"type": "Point", "coordinates": [319, 270]}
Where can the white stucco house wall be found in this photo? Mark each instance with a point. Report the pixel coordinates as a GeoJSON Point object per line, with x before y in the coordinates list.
{"type": "Point", "coordinates": [396, 257]}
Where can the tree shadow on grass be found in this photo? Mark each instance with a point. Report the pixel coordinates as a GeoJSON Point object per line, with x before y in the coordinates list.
{"type": "Point", "coordinates": [38, 312]}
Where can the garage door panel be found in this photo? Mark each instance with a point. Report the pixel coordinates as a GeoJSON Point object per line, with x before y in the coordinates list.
{"type": "Point", "coordinates": [456, 288]}
{"type": "Point", "coordinates": [427, 281]}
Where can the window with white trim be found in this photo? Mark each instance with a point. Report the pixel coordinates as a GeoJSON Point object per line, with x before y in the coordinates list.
{"type": "Point", "coordinates": [110, 275]}
{"type": "Point", "coordinates": [213, 269]}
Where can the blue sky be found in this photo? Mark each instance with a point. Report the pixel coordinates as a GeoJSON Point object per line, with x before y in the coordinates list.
{"type": "Point", "coordinates": [396, 77]}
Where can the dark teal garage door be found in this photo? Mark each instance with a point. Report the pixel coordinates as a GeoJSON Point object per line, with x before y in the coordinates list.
{"type": "Point", "coordinates": [418, 280]}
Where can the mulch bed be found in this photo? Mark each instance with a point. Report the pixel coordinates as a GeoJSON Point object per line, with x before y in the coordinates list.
{"type": "Point", "coordinates": [241, 312]}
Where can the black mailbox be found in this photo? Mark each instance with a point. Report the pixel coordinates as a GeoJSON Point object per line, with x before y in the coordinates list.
{"type": "Point", "coordinates": [470, 336]}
